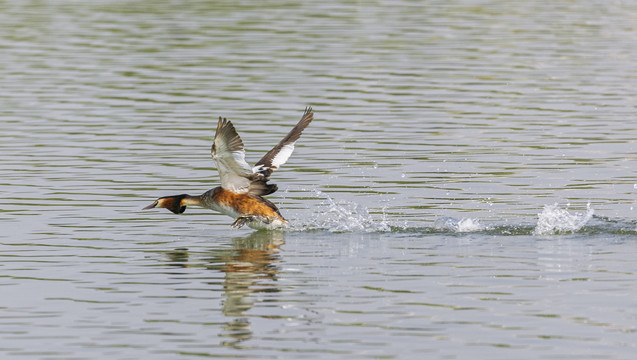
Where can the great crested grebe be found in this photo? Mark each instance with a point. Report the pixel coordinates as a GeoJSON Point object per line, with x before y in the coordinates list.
{"type": "Point", "coordinates": [242, 187]}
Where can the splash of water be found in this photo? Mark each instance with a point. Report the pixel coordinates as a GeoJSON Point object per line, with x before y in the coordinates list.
{"type": "Point", "coordinates": [347, 216]}
{"type": "Point", "coordinates": [460, 226]}
{"type": "Point", "coordinates": [344, 216]}
{"type": "Point", "coordinates": [555, 220]}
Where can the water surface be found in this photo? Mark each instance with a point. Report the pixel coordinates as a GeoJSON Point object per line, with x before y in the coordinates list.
{"type": "Point", "coordinates": [467, 188]}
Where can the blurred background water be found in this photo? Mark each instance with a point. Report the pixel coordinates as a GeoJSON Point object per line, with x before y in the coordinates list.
{"type": "Point", "coordinates": [467, 188]}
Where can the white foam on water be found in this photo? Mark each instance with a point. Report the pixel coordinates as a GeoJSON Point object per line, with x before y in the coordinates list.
{"type": "Point", "coordinates": [458, 225]}
{"type": "Point", "coordinates": [555, 220]}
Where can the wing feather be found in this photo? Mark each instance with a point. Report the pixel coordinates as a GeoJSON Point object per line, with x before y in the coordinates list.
{"type": "Point", "coordinates": [229, 155]}
{"type": "Point", "coordinates": [280, 154]}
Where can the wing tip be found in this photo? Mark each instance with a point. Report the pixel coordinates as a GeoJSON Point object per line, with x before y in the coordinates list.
{"type": "Point", "coordinates": [225, 128]}
{"type": "Point", "coordinates": [220, 124]}
{"type": "Point", "coordinates": [306, 119]}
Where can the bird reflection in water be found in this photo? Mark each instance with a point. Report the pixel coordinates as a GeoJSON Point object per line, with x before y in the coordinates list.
{"type": "Point", "coordinates": [250, 266]}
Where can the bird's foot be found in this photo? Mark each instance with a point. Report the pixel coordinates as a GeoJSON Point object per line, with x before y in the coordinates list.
{"type": "Point", "coordinates": [242, 220]}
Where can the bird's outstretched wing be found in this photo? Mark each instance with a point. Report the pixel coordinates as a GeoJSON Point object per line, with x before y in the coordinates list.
{"type": "Point", "coordinates": [229, 155]}
{"type": "Point", "coordinates": [282, 151]}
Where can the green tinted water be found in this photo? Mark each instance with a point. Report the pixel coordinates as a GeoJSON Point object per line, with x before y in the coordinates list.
{"type": "Point", "coordinates": [422, 196]}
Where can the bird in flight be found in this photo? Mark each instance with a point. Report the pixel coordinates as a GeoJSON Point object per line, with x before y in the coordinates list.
{"type": "Point", "coordinates": [242, 190]}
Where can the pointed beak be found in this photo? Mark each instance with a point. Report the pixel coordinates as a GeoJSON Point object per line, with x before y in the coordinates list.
{"type": "Point", "coordinates": [151, 206]}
